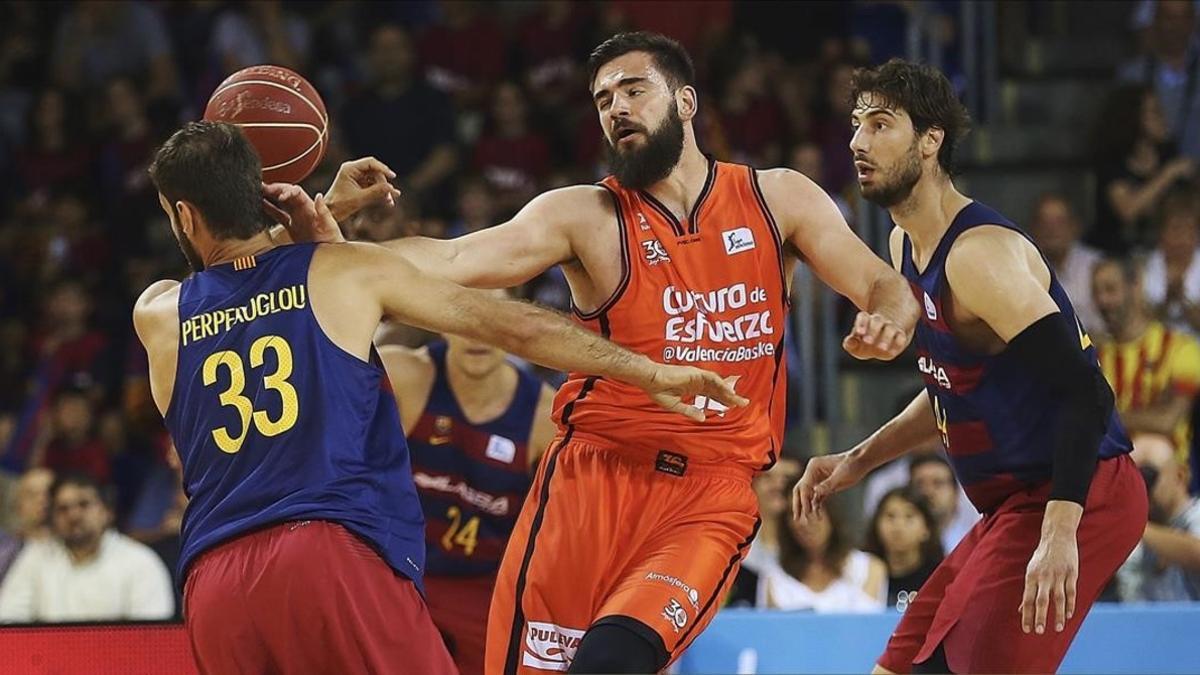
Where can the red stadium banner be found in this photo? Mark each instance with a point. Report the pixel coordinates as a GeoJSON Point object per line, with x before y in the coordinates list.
{"type": "Point", "coordinates": [97, 649]}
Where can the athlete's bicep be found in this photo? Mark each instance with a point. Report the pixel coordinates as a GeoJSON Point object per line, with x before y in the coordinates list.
{"type": "Point", "coordinates": [537, 238]}
{"type": "Point", "coordinates": [990, 275]}
{"type": "Point", "coordinates": [814, 225]}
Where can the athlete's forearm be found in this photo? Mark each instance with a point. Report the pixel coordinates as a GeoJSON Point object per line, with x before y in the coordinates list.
{"type": "Point", "coordinates": [914, 427]}
{"type": "Point", "coordinates": [891, 297]}
{"type": "Point", "coordinates": [553, 340]}
{"type": "Point", "coordinates": [1061, 519]}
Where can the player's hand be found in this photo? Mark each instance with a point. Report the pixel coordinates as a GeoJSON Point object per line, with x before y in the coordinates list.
{"type": "Point", "coordinates": [875, 336]}
{"type": "Point", "coordinates": [360, 183]}
{"type": "Point", "coordinates": [1050, 578]}
{"type": "Point", "coordinates": [823, 476]}
{"type": "Point", "coordinates": [305, 219]}
{"type": "Point", "coordinates": [671, 386]}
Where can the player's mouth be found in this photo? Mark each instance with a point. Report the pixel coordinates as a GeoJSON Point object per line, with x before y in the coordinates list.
{"type": "Point", "coordinates": [865, 171]}
{"type": "Point", "coordinates": [626, 133]}
{"type": "Point", "coordinates": [478, 351]}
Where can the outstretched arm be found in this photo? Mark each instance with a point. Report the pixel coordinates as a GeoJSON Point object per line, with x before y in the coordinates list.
{"type": "Point", "coordinates": [811, 223]}
{"type": "Point", "coordinates": [913, 428]}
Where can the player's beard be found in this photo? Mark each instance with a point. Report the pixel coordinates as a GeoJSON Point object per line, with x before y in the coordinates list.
{"type": "Point", "coordinates": [639, 168]}
{"type": "Point", "coordinates": [902, 179]}
{"type": "Point", "coordinates": [189, 252]}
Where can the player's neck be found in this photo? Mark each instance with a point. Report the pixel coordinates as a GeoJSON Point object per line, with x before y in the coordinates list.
{"type": "Point", "coordinates": [486, 396]}
{"type": "Point", "coordinates": [928, 212]}
{"type": "Point", "coordinates": [228, 250]}
{"type": "Point", "coordinates": [682, 187]}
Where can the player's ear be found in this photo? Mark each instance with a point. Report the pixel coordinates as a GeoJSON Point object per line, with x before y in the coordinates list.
{"type": "Point", "coordinates": [931, 141]}
{"type": "Point", "coordinates": [187, 217]}
{"type": "Point", "coordinates": [686, 102]}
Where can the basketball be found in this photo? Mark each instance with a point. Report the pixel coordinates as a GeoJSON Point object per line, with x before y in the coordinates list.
{"type": "Point", "coordinates": [281, 113]}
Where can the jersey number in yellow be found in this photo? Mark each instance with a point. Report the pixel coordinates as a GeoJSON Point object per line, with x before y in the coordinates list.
{"type": "Point", "coordinates": [226, 440]}
{"type": "Point", "coordinates": [459, 533]}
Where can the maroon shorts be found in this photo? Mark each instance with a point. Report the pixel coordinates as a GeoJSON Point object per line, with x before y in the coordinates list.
{"type": "Point", "coordinates": [971, 602]}
{"type": "Point", "coordinates": [307, 597]}
{"type": "Point", "coordinates": [459, 606]}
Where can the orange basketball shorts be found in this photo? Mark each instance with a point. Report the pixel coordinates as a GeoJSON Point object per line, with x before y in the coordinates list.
{"type": "Point", "coordinates": [607, 536]}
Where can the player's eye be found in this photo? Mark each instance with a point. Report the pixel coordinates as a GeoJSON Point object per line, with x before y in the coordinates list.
{"type": "Point", "coordinates": [635, 92]}
{"type": "Point", "coordinates": [880, 126]}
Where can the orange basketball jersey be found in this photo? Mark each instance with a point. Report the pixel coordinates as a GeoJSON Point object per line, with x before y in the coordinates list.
{"type": "Point", "coordinates": [707, 292]}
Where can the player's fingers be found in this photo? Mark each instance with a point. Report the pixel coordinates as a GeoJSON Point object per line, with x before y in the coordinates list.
{"type": "Point", "coordinates": [1042, 606]}
{"type": "Point", "coordinates": [798, 501]}
{"type": "Point", "coordinates": [862, 321]}
{"type": "Point", "coordinates": [690, 411]}
{"type": "Point", "coordinates": [899, 342]}
{"type": "Point", "coordinates": [721, 390]}
{"type": "Point", "coordinates": [875, 325]}
{"type": "Point", "coordinates": [275, 213]}
{"type": "Point", "coordinates": [1028, 598]}
{"type": "Point", "coordinates": [853, 346]}
{"type": "Point", "coordinates": [1072, 581]}
{"type": "Point", "coordinates": [1060, 603]}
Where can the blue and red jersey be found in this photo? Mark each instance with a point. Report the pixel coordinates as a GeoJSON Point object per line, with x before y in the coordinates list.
{"type": "Point", "coordinates": [997, 420]}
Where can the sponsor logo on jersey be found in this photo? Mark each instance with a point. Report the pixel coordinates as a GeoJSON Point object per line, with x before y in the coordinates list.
{"type": "Point", "coordinates": [496, 506]}
{"type": "Point", "coordinates": [642, 222]}
{"type": "Point", "coordinates": [738, 240]}
{"type": "Point", "coordinates": [675, 614]}
{"type": "Point", "coordinates": [693, 596]}
{"type": "Point", "coordinates": [549, 646]}
{"type": "Point", "coordinates": [655, 253]}
{"type": "Point", "coordinates": [727, 316]}
{"type": "Point", "coordinates": [930, 308]}
{"type": "Point", "coordinates": [501, 449]}
{"type": "Point", "coordinates": [943, 422]}
{"type": "Point", "coordinates": [929, 367]}
{"type": "Point", "coordinates": [442, 424]}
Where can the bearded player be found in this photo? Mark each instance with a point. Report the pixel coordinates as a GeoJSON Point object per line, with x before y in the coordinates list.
{"type": "Point", "coordinates": [303, 544]}
{"type": "Point", "coordinates": [1013, 389]}
{"type": "Point", "coordinates": [637, 523]}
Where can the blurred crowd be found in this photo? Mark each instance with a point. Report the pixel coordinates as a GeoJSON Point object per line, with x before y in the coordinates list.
{"type": "Point", "coordinates": [89, 89]}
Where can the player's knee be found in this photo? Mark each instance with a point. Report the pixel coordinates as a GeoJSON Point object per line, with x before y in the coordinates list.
{"type": "Point", "coordinates": [619, 648]}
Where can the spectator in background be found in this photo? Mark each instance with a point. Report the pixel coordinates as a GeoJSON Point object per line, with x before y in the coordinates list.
{"type": "Point", "coordinates": [832, 126]}
{"type": "Point", "coordinates": [1135, 166]}
{"type": "Point", "coordinates": [1171, 280]}
{"type": "Point", "coordinates": [73, 446]}
{"type": "Point", "coordinates": [1165, 566]}
{"type": "Point", "coordinates": [31, 522]}
{"type": "Point", "coordinates": [511, 155]}
{"type": "Point", "coordinates": [124, 157]}
{"type": "Point", "coordinates": [1154, 370]}
{"type": "Point", "coordinates": [819, 571]}
{"type": "Point", "coordinates": [98, 41]}
{"type": "Point", "coordinates": [750, 118]}
{"type": "Point", "coordinates": [903, 533]}
{"type": "Point", "coordinates": [465, 74]}
{"type": "Point", "coordinates": [773, 489]}
{"type": "Point", "coordinates": [66, 347]}
{"type": "Point", "coordinates": [476, 207]}
{"type": "Point", "coordinates": [807, 158]}
{"type": "Point", "coordinates": [931, 477]}
{"type": "Point", "coordinates": [87, 572]}
{"type": "Point", "coordinates": [1172, 70]}
{"type": "Point", "coordinates": [248, 34]}
{"type": "Point", "coordinates": [55, 152]}
{"type": "Point", "coordinates": [1057, 230]}
{"type": "Point", "coordinates": [401, 120]}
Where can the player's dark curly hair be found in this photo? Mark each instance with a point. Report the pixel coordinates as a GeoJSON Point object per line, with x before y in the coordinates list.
{"type": "Point", "coordinates": [212, 166]}
{"type": "Point", "coordinates": [669, 56]}
{"type": "Point", "coordinates": [924, 93]}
